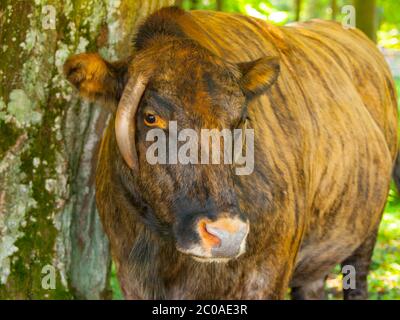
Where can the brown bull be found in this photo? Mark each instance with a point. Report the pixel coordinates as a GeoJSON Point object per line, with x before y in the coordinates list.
{"type": "Point", "coordinates": [322, 103]}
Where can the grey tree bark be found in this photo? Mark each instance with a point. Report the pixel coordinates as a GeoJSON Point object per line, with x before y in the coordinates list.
{"type": "Point", "coordinates": [48, 142]}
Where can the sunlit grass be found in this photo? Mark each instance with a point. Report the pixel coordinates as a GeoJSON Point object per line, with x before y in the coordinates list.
{"type": "Point", "coordinates": [114, 284]}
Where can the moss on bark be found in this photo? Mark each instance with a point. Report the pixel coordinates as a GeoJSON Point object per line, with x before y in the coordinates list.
{"type": "Point", "coordinates": [48, 141]}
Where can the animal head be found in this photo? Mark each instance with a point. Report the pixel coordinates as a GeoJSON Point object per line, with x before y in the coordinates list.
{"type": "Point", "coordinates": [173, 78]}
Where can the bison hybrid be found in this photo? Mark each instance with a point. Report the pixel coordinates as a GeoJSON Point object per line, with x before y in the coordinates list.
{"type": "Point", "coordinates": [322, 104]}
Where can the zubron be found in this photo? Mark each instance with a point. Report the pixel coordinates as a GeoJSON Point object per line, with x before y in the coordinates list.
{"type": "Point", "coordinates": [168, 152]}
{"type": "Point", "coordinates": [323, 106]}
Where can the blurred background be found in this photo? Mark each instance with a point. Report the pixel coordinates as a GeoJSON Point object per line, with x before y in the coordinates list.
{"type": "Point", "coordinates": [51, 242]}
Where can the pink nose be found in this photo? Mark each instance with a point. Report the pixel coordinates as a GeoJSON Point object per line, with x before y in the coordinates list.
{"type": "Point", "coordinates": [224, 237]}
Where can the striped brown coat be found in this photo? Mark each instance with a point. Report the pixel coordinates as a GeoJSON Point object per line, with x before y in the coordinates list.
{"type": "Point", "coordinates": [325, 144]}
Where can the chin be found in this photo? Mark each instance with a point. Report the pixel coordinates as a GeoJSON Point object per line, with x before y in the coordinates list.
{"type": "Point", "coordinates": [211, 260]}
{"type": "Point", "coordinates": [198, 254]}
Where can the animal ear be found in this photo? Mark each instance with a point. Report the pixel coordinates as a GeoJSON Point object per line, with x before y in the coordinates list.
{"type": "Point", "coordinates": [95, 78]}
{"type": "Point", "coordinates": [258, 75]}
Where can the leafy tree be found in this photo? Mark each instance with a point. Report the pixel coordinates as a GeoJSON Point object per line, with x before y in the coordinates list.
{"type": "Point", "coordinates": [334, 9]}
{"type": "Point", "coordinates": [366, 17]}
{"type": "Point", "coordinates": [298, 4]}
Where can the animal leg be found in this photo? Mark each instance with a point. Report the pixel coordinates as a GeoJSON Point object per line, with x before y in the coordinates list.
{"type": "Point", "coordinates": [360, 260]}
{"type": "Point", "coordinates": [311, 291]}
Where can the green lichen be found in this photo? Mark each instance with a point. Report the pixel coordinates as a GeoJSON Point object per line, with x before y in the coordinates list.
{"type": "Point", "coordinates": [40, 106]}
{"type": "Point", "coordinates": [115, 31]}
{"type": "Point", "coordinates": [45, 230]}
{"type": "Point", "coordinates": [3, 107]}
{"type": "Point", "coordinates": [21, 109]}
{"type": "Point", "coordinates": [32, 193]}
{"type": "Point", "coordinates": [16, 201]}
{"type": "Point", "coordinates": [8, 132]}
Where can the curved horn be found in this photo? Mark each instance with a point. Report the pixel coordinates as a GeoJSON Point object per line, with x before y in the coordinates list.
{"type": "Point", "coordinates": [125, 119]}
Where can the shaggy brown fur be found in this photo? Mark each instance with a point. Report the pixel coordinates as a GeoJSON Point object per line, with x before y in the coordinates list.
{"type": "Point", "coordinates": [325, 144]}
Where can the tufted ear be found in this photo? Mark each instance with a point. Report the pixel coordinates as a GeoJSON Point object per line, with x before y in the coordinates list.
{"type": "Point", "coordinates": [258, 75]}
{"type": "Point", "coordinates": [97, 79]}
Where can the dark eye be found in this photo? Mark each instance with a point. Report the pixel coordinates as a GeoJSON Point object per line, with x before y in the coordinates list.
{"type": "Point", "coordinates": [152, 120]}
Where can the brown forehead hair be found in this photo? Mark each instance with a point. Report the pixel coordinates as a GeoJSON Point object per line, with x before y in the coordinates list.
{"type": "Point", "coordinates": [186, 72]}
{"type": "Point", "coordinates": [193, 78]}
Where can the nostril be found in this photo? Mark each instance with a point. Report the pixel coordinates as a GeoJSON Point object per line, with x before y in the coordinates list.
{"type": "Point", "coordinates": [217, 232]}
{"type": "Point", "coordinates": [224, 237]}
{"type": "Point", "coordinates": [211, 239]}
{"type": "Point", "coordinates": [231, 234]}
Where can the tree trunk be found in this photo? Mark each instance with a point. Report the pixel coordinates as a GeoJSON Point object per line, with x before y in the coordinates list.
{"type": "Point", "coordinates": [298, 4]}
{"type": "Point", "coordinates": [194, 4]}
{"type": "Point", "coordinates": [219, 5]}
{"type": "Point", "coordinates": [334, 8]}
{"type": "Point", "coordinates": [48, 142]}
{"type": "Point", "coordinates": [312, 9]}
{"type": "Point", "coordinates": [366, 17]}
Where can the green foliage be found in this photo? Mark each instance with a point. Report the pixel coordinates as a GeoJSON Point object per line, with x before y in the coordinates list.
{"type": "Point", "coordinates": [384, 279]}
{"type": "Point", "coordinates": [114, 285]}
{"type": "Point", "coordinates": [389, 23]}
{"type": "Point", "coordinates": [283, 11]}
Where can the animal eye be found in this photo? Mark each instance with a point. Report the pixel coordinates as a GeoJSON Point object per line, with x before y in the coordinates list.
{"type": "Point", "coordinates": [153, 120]}
{"type": "Point", "coordinates": [150, 119]}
